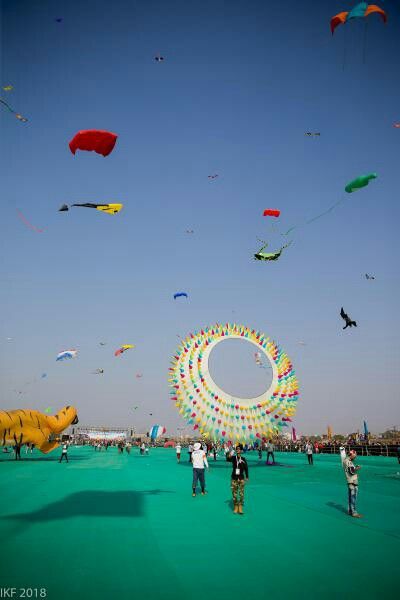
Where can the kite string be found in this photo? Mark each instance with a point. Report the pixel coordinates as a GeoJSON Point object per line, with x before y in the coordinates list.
{"type": "Point", "coordinates": [365, 41]}
{"type": "Point", "coordinates": [14, 112]}
{"type": "Point", "coordinates": [325, 212]}
{"type": "Point", "coordinates": [344, 47]}
{"type": "Point", "coordinates": [315, 218]}
{"type": "Point", "coordinates": [7, 105]}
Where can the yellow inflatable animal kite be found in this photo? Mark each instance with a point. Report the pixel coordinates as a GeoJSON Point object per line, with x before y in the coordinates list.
{"type": "Point", "coordinates": [25, 426]}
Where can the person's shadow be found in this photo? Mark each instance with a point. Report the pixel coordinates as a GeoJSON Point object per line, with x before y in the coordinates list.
{"type": "Point", "coordinates": [94, 503]}
{"type": "Point", "coordinates": [337, 506]}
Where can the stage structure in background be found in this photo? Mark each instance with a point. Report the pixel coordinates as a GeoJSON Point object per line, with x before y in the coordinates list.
{"type": "Point", "coordinates": [221, 416]}
{"type": "Point", "coordinates": [101, 433]}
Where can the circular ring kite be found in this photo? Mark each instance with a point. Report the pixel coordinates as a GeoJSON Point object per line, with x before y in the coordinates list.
{"type": "Point", "coordinates": [221, 416]}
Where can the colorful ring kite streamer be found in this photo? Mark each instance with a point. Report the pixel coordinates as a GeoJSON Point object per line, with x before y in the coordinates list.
{"type": "Point", "coordinates": [221, 416]}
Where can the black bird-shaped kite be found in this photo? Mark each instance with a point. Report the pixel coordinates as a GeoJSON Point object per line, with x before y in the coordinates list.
{"type": "Point", "coordinates": [369, 276]}
{"type": "Point", "coordinates": [349, 322]}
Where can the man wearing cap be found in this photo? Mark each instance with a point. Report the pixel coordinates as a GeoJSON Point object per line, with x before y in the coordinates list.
{"type": "Point", "coordinates": [199, 461]}
{"type": "Point", "coordinates": [240, 471]}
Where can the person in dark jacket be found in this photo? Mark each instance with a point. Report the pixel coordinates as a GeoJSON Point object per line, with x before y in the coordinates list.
{"type": "Point", "coordinates": [240, 473]}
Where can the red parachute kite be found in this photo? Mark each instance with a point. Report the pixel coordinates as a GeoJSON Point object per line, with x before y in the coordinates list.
{"type": "Point", "coordinates": [100, 141]}
{"type": "Point", "coordinates": [271, 212]}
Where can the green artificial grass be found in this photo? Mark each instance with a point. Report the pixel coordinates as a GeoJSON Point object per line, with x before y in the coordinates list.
{"type": "Point", "coordinates": [117, 526]}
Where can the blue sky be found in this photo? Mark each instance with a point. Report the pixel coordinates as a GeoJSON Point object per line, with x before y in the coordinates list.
{"type": "Point", "coordinates": [240, 85]}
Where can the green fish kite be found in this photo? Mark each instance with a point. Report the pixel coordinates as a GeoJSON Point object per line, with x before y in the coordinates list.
{"type": "Point", "coordinates": [359, 182]}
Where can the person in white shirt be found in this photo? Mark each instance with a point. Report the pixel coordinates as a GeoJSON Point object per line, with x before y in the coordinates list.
{"type": "Point", "coordinates": [350, 471]}
{"type": "Point", "coordinates": [309, 452]}
{"type": "Point", "coordinates": [270, 452]}
{"type": "Point", "coordinates": [64, 453]}
{"type": "Point", "coordinates": [199, 461]}
{"type": "Point", "coordinates": [178, 449]}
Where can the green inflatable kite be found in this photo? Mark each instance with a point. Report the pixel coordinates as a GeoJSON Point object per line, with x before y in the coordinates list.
{"type": "Point", "coordinates": [360, 182]}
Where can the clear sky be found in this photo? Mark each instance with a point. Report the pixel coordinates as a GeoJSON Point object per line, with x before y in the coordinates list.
{"type": "Point", "coordinates": [241, 83]}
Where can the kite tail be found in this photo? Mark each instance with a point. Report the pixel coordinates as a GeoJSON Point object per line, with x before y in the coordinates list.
{"type": "Point", "coordinates": [26, 222]}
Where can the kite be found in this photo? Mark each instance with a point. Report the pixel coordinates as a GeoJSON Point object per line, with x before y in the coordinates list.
{"type": "Point", "coordinates": [302, 343]}
{"type": "Point", "coordinates": [189, 231]}
{"type": "Point", "coordinates": [48, 409]}
{"type": "Point", "coordinates": [157, 431]}
{"type": "Point", "coordinates": [123, 349]}
{"type": "Point", "coordinates": [260, 255]}
{"type": "Point", "coordinates": [311, 134]}
{"type": "Point", "coordinates": [360, 10]}
{"type": "Point", "coordinates": [354, 185]}
{"type": "Point", "coordinates": [58, 19]}
{"type": "Point", "coordinates": [139, 375]}
{"type": "Point", "coordinates": [179, 294]}
{"type": "Point", "coordinates": [258, 359]}
{"type": "Point", "coordinates": [67, 354]}
{"type": "Point", "coordinates": [27, 223]}
{"type": "Point", "coordinates": [7, 88]}
{"type": "Point", "coordinates": [98, 372]}
{"type": "Point", "coordinates": [359, 182]}
{"type": "Point", "coordinates": [397, 125]}
{"type": "Point", "coordinates": [18, 116]}
{"type": "Point", "coordinates": [27, 426]}
{"type": "Point", "coordinates": [110, 209]}
{"type": "Point", "coordinates": [135, 407]}
{"type": "Point", "coordinates": [158, 58]}
{"type": "Point", "coordinates": [102, 343]}
{"type": "Point", "coordinates": [348, 321]}
{"type": "Point", "coordinates": [369, 276]}
{"type": "Point", "coordinates": [44, 375]}
{"type": "Point", "coordinates": [271, 212]}
{"type": "Point", "coordinates": [97, 140]}
{"type": "Point", "coordinates": [213, 176]}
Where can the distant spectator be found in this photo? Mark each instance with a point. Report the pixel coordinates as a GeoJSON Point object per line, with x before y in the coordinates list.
{"type": "Point", "coordinates": [64, 452]}
{"type": "Point", "coordinates": [178, 449]}
{"type": "Point", "coordinates": [309, 451]}
{"type": "Point", "coordinates": [270, 452]}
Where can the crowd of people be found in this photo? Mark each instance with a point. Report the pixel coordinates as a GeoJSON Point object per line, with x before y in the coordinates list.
{"type": "Point", "coordinates": [199, 454]}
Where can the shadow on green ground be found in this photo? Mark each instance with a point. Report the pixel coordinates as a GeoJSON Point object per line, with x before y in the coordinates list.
{"type": "Point", "coordinates": [91, 504]}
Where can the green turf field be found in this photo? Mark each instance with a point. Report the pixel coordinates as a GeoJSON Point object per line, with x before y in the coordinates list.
{"type": "Point", "coordinates": [109, 526]}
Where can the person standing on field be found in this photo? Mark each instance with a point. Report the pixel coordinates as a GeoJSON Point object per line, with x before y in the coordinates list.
{"type": "Point", "coordinates": [240, 473]}
{"type": "Point", "coordinates": [178, 449]}
{"type": "Point", "coordinates": [199, 461]}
